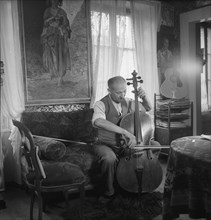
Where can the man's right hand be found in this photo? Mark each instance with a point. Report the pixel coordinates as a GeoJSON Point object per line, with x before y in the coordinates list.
{"type": "Point", "coordinates": [131, 139]}
{"type": "Point", "coordinates": [109, 126]}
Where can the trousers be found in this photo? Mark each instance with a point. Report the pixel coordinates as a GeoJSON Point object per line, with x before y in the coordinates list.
{"type": "Point", "coordinates": [108, 160]}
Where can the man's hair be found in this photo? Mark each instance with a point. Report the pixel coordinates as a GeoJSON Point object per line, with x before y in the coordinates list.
{"type": "Point", "coordinates": [115, 79]}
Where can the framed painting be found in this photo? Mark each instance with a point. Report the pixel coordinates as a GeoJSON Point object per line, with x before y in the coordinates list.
{"type": "Point", "coordinates": [167, 15]}
{"type": "Point", "coordinates": [56, 51]}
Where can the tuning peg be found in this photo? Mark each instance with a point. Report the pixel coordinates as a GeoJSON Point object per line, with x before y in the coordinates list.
{"type": "Point", "coordinates": [129, 83]}
{"type": "Point", "coordinates": [129, 79]}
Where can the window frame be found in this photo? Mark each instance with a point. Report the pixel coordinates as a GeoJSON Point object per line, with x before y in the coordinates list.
{"type": "Point", "coordinates": [205, 26]}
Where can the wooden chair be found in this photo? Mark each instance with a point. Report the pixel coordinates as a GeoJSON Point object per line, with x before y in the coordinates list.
{"type": "Point", "coordinates": [37, 175]}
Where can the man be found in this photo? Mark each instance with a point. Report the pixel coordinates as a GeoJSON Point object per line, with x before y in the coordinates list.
{"type": "Point", "coordinates": [107, 115]}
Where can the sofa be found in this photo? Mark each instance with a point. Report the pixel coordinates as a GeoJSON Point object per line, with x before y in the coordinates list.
{"type": "Point", "coordinates": [57, 135]}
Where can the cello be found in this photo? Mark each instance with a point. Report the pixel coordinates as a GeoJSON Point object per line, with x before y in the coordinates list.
{"type": "Point", "coordinates": [138, 169]}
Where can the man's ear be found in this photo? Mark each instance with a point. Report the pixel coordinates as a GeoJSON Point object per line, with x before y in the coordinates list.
{"type": "Point", "coordinates": [109, 91]}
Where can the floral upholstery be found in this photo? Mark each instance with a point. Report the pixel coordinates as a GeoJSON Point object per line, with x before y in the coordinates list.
{"type": "Point", "coordinates": [73, 158]}
{"type": "Point", "coordinates": [74, 125]}
{"type": "Point", "coordinates": [83, 156]}
{"type": "Point", "coordinates": [59, 173]}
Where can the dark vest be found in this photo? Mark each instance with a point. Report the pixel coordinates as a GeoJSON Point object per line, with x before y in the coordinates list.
{"type": "Point", "coordinates": [107, 137]}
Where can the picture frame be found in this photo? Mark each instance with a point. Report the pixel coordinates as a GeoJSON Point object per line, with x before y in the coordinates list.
{"type": "Point", "coordinates": [167, 15]}
{"type": "Point", "coordinates": [56, 56]}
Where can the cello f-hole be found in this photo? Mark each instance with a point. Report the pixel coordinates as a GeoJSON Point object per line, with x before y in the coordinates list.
{"type": "Point", "coordinates": [127, 158]}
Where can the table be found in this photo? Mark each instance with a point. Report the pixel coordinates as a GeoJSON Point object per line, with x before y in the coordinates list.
{"type": "Point", "coordinates": [187, 188]}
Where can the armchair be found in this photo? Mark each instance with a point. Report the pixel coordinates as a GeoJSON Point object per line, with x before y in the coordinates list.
{"type": "Point", "coordinates": [67, 177]}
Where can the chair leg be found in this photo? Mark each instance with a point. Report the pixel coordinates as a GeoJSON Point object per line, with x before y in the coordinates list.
{"type": "Point", "coordinates": [32, 204]}
{"type": "Point", "coordinates": [44, 205]}
{"type": "Point", "coordinates": [40, 205]}
{"type": "Point", "coordinates": [66, 196]}
{"type": "Point", "coordinates": [82, 197]}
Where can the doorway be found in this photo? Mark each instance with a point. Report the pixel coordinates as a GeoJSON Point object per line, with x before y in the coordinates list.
{"type": "Point", "coordinates": [204, 53]}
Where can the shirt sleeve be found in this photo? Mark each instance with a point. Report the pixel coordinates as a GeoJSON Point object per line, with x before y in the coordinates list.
{"type": "Point", "coordinates": [99, 111]}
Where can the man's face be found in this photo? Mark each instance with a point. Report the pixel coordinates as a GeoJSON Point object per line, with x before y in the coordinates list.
{"type": "Point", "coordinates": [118, 91]}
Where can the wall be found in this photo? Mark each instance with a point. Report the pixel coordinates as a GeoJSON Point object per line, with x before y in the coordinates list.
{"type": "Point", "coordinates": [178, 7]}
{"type": "Point", "coordinates": [188, 22]}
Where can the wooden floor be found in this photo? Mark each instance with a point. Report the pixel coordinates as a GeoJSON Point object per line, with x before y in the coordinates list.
{"type": "Point", "coordinates": [18, 201]}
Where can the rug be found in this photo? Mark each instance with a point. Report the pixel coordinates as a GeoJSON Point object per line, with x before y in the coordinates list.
{"type": "Point", "coordinates": [122, 207]}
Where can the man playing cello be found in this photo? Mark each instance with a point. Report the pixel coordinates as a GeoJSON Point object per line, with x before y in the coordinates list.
{"type": "Point", "coordinates": [107, 114]}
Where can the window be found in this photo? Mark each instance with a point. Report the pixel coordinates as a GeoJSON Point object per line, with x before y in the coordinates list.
{"type": "Point", "coordinates": [205, 46]}
{"type": "Point", "coordinates": [113, 35]}
{"type": "Point", "coordinates": [124, 37]}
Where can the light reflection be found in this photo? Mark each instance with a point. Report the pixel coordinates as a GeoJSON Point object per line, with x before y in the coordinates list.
{"type": "Point", "coordinates": [191, 66]}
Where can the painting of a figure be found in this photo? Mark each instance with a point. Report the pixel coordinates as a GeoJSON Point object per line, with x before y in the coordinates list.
{"type": "Point", "coordinates": [56, 31]}
{"type": "Point", "coordinates": [56, 42]}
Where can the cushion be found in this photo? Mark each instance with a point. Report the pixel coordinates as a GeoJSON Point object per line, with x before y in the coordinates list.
{"type": "Point", "coordinates": [81, 155]}
{"type": "Point", "coordinates": [61, 173]}
{"type": "Point", "coordinates": [84, 157]}
{"type": "Point", "coordinates": [49, 148]}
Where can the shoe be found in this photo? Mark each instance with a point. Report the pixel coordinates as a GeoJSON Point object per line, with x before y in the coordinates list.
{"type": "Point", "coordinates": [2, 204]}
{"type": "Point", "coordinates": [105, 199]}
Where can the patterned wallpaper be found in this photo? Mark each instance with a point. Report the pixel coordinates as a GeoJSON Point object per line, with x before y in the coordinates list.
{"type": "Point", "coordinates": [201, 3]}
{"type": "Point", "coordinates": [179, 6]}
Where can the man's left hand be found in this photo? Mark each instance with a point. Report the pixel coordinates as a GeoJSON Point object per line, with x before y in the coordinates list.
{"type": "Point", "coordinates": [141, 93]}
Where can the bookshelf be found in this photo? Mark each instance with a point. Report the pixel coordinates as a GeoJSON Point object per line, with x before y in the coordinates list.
{"type": "Point", "coordinates": [173, 118]}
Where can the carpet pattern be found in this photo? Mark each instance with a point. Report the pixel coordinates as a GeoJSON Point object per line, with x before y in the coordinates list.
{"type": "Point", "coordinates": [123, 206]}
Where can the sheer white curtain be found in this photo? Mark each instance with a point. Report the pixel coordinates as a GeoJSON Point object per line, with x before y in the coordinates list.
{"type": "Point", "coordinates": [146, 23]}
{"type": "Point", "coordinates": [108, 22]}
{"type": "Point", "coordinates": [124, 38]}
{"type": "Point", "coordinates": [12, 97]}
